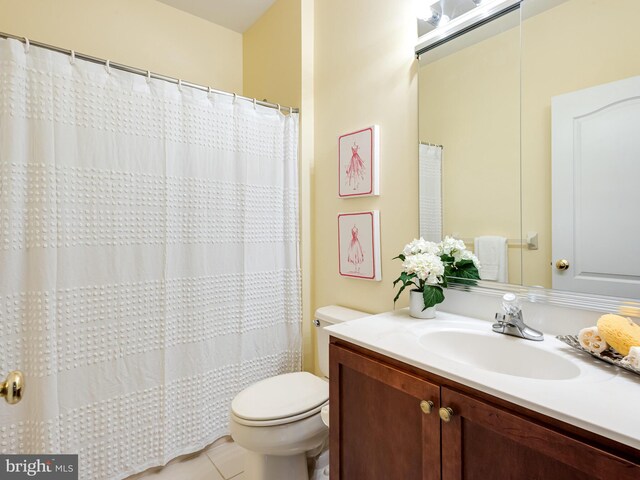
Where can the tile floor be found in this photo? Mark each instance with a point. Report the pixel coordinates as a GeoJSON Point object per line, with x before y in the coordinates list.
{"type": "Point", "coordinates": [222, 460]}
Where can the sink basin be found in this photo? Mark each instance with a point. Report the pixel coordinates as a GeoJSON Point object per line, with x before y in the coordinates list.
{"type": "Point", "coordinates": [499, 353]}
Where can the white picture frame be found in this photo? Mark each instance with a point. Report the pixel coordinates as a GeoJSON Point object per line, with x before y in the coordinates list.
{"type": "Point", "coordinates": [358, 163]}
{"type": "Point", "coordinates": [359, 245]}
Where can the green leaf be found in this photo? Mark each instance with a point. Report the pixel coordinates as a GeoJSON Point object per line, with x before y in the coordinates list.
{"type": "Point", "coordinates": [399, 292]}
{"type": "Point", "coordinates": [448, 270]}
{"type": "Point", "coordinates": [407, 276]}
{"type": "Point", "coordinates": [467, 274]}
{"type": "Point", "coordinates": [467, 271]}
{"type": "Point", "coordinates": [404, 278]}
{"type": "Point", "coordinates": [465, 263]}
{"type": "Point", "coordinates": [401, 257]}
{"type": "Point", "coordinates": [432, 295]}
{"type": "Point", "coordinates": [407, 280]}
{"type": "Point", "coordinates": [447, 259]}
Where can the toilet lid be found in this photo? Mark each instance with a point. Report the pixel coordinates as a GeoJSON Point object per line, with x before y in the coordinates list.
{"type": "Point", "coordinates": [280, 397]}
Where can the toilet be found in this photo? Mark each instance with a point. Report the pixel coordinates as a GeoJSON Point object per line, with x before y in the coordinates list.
{"type": "Point", "coordinates": [279, 420]}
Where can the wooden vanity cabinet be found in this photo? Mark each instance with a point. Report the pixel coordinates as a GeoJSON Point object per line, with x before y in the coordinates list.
{"type": "Point", "coordinates": [381, 429]}
{"type": "Point", "coordinates": [384, 430]}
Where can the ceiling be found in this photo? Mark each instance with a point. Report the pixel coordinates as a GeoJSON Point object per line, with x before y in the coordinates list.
{"type": "Point", "coordinates": [236, 15]}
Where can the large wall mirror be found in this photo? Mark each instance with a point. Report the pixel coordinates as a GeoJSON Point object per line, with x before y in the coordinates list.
{"type": "Point", "coordinates": [530, 140]}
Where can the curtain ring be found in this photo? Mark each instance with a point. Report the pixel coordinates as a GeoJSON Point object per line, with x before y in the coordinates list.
{"type": "Point", "coordinates": [148, 76]}
{"type": "Point", "coordinates": [290, 110]}
{"type": "Point", "coordinates": [26, 45]}
{"type": "Point", "coordinates": [279, 108]}
{"type": "Point", "coordinates": [235, 96]}
{"type": "Point", "coordinates": [180, 84]}
{"type": "Point", "coordinates": [72, 58]}
{"type": "Point", "coordinates": [107, 65]}
{"type": "Point", "coordinates": [209, 93]}
{"type": "Point", "coordinates": [255, 104]}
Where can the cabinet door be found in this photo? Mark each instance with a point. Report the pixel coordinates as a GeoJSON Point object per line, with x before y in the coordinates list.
{"type": "Point", "coordinates": [379, 430]}
{"type": "Point", "coordinates": [483, 442]}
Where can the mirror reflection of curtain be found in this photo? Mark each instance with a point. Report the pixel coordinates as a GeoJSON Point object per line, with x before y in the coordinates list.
{"type": "Point", "coordinates": [430, 172]}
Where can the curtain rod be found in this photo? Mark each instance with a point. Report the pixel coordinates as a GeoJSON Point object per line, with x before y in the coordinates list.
{"type": "Point", "coordinates": [146, 73]}
{"type": "Point", "coordinates": [432, 144]}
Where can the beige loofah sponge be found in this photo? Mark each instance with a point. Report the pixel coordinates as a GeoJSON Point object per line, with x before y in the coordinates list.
{"type": "Point", "coordinates": [619, 332]}
{"type": "Point", "coordinates": [591, 339]}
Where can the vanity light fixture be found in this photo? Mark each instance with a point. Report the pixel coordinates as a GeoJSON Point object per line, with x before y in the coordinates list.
{"type": "Point", "coordinates": [485, 11]}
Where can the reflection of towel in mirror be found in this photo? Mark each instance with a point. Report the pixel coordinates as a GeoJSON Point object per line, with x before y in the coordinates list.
{"type": "Point", "coordinates": [492, 253]}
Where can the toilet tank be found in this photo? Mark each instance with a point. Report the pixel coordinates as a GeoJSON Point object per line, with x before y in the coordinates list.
{"type": "Point", "coordinates": [326, 316]}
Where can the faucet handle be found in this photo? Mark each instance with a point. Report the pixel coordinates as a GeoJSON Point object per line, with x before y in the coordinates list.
{"type": "Point", "coordinates": [510, 304]}
{"type": "Point", "coordinates": [505, 320]}
{"type": "Point", "coordinates": [501, 323]}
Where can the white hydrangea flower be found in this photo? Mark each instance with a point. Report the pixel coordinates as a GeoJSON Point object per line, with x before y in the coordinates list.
{"type": "Point", "coordinates": [427, 266]}
{"type": "Point", "coordinates": [466, 255]}
{"type": "Point", "coordinates": [420, 245]}
{"type": "Point", "coordinates": [450, 245]}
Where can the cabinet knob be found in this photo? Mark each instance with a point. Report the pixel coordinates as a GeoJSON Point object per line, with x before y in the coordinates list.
{"type": "Point", "coordinates": [426, 406]}
{"type": "Point", "coordinates": [445, 414]}
{"type": "Point", "coordinates": [562, 264]}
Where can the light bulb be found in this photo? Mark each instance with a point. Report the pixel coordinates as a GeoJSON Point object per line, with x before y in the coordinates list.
{"type": "Point", "coordinates": [423, 8]}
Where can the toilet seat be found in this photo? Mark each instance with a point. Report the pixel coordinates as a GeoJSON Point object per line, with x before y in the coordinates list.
{"type": "Point", "coordinates": [279, 421]}
{"type": "Point", "coordinates": [281, 399]}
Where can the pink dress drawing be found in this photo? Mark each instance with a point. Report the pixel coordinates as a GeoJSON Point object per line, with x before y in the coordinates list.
{"type": "Point", "coordinates": [356, 168]}
{"type": "Point", "coordinates": [355, 254]}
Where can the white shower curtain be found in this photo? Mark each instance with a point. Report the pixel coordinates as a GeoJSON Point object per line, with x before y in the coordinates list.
{"type": "Point", "coordinates": [148, 259]}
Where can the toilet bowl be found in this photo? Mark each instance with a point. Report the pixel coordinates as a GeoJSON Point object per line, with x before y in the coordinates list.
{"type": "Point", "coordinates": [279, 420]}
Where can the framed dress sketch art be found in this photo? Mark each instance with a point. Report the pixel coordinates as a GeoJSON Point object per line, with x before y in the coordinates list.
{"type": "Point", "coordinates": [358, 163]}
{"type": "Point", "coordinates": [359, 245]}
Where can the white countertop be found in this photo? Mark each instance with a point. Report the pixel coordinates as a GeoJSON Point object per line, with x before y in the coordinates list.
{"type": "Point", "coordinates": [600, 398]}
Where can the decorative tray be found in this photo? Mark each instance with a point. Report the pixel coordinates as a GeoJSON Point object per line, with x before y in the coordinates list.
{"type": "Point", "coordinates": [609, 355]}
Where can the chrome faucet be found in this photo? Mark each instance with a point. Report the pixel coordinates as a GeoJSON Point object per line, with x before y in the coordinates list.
{"type": "Point", "coordinates": [510, 322]}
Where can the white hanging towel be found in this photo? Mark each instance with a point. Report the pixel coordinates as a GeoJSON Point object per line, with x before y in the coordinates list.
{"type": "Point", "coordinates": [492, 253]}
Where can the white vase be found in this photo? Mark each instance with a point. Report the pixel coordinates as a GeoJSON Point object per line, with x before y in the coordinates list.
{"type": "Point", "coordinates": [416, 306]}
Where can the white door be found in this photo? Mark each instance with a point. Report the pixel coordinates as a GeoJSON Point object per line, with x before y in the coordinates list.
{"type": "Point", "coordinates": [596, 189]}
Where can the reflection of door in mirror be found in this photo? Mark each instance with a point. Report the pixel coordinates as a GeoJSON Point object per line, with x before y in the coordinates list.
{"type": "Point", "coordinates": [580, 46]}
{"type": "Point", "coordinates": [595, 172]}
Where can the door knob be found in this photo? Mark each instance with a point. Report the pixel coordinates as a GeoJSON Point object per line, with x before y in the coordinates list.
{"type": "Point", "coordinates": [426, 406]}
{"type": "Point", "coordinates": [445, 414]}
{"type": "Point", "coordinates": [562, 264]}
{"type": "Point", "coordinates": [12, 388]}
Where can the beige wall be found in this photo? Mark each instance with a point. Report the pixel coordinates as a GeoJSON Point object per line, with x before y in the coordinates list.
{"type": "Point", "coordinates": [272, 55]}
{"type": "Point", "coordinates": [365, 73]}
{"type": "Point", "coordinates": [307, 143]}
{"type": "Point", "coordinates": [141, 33]}
{"type": "Point", "coordinates": [470, 104]}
